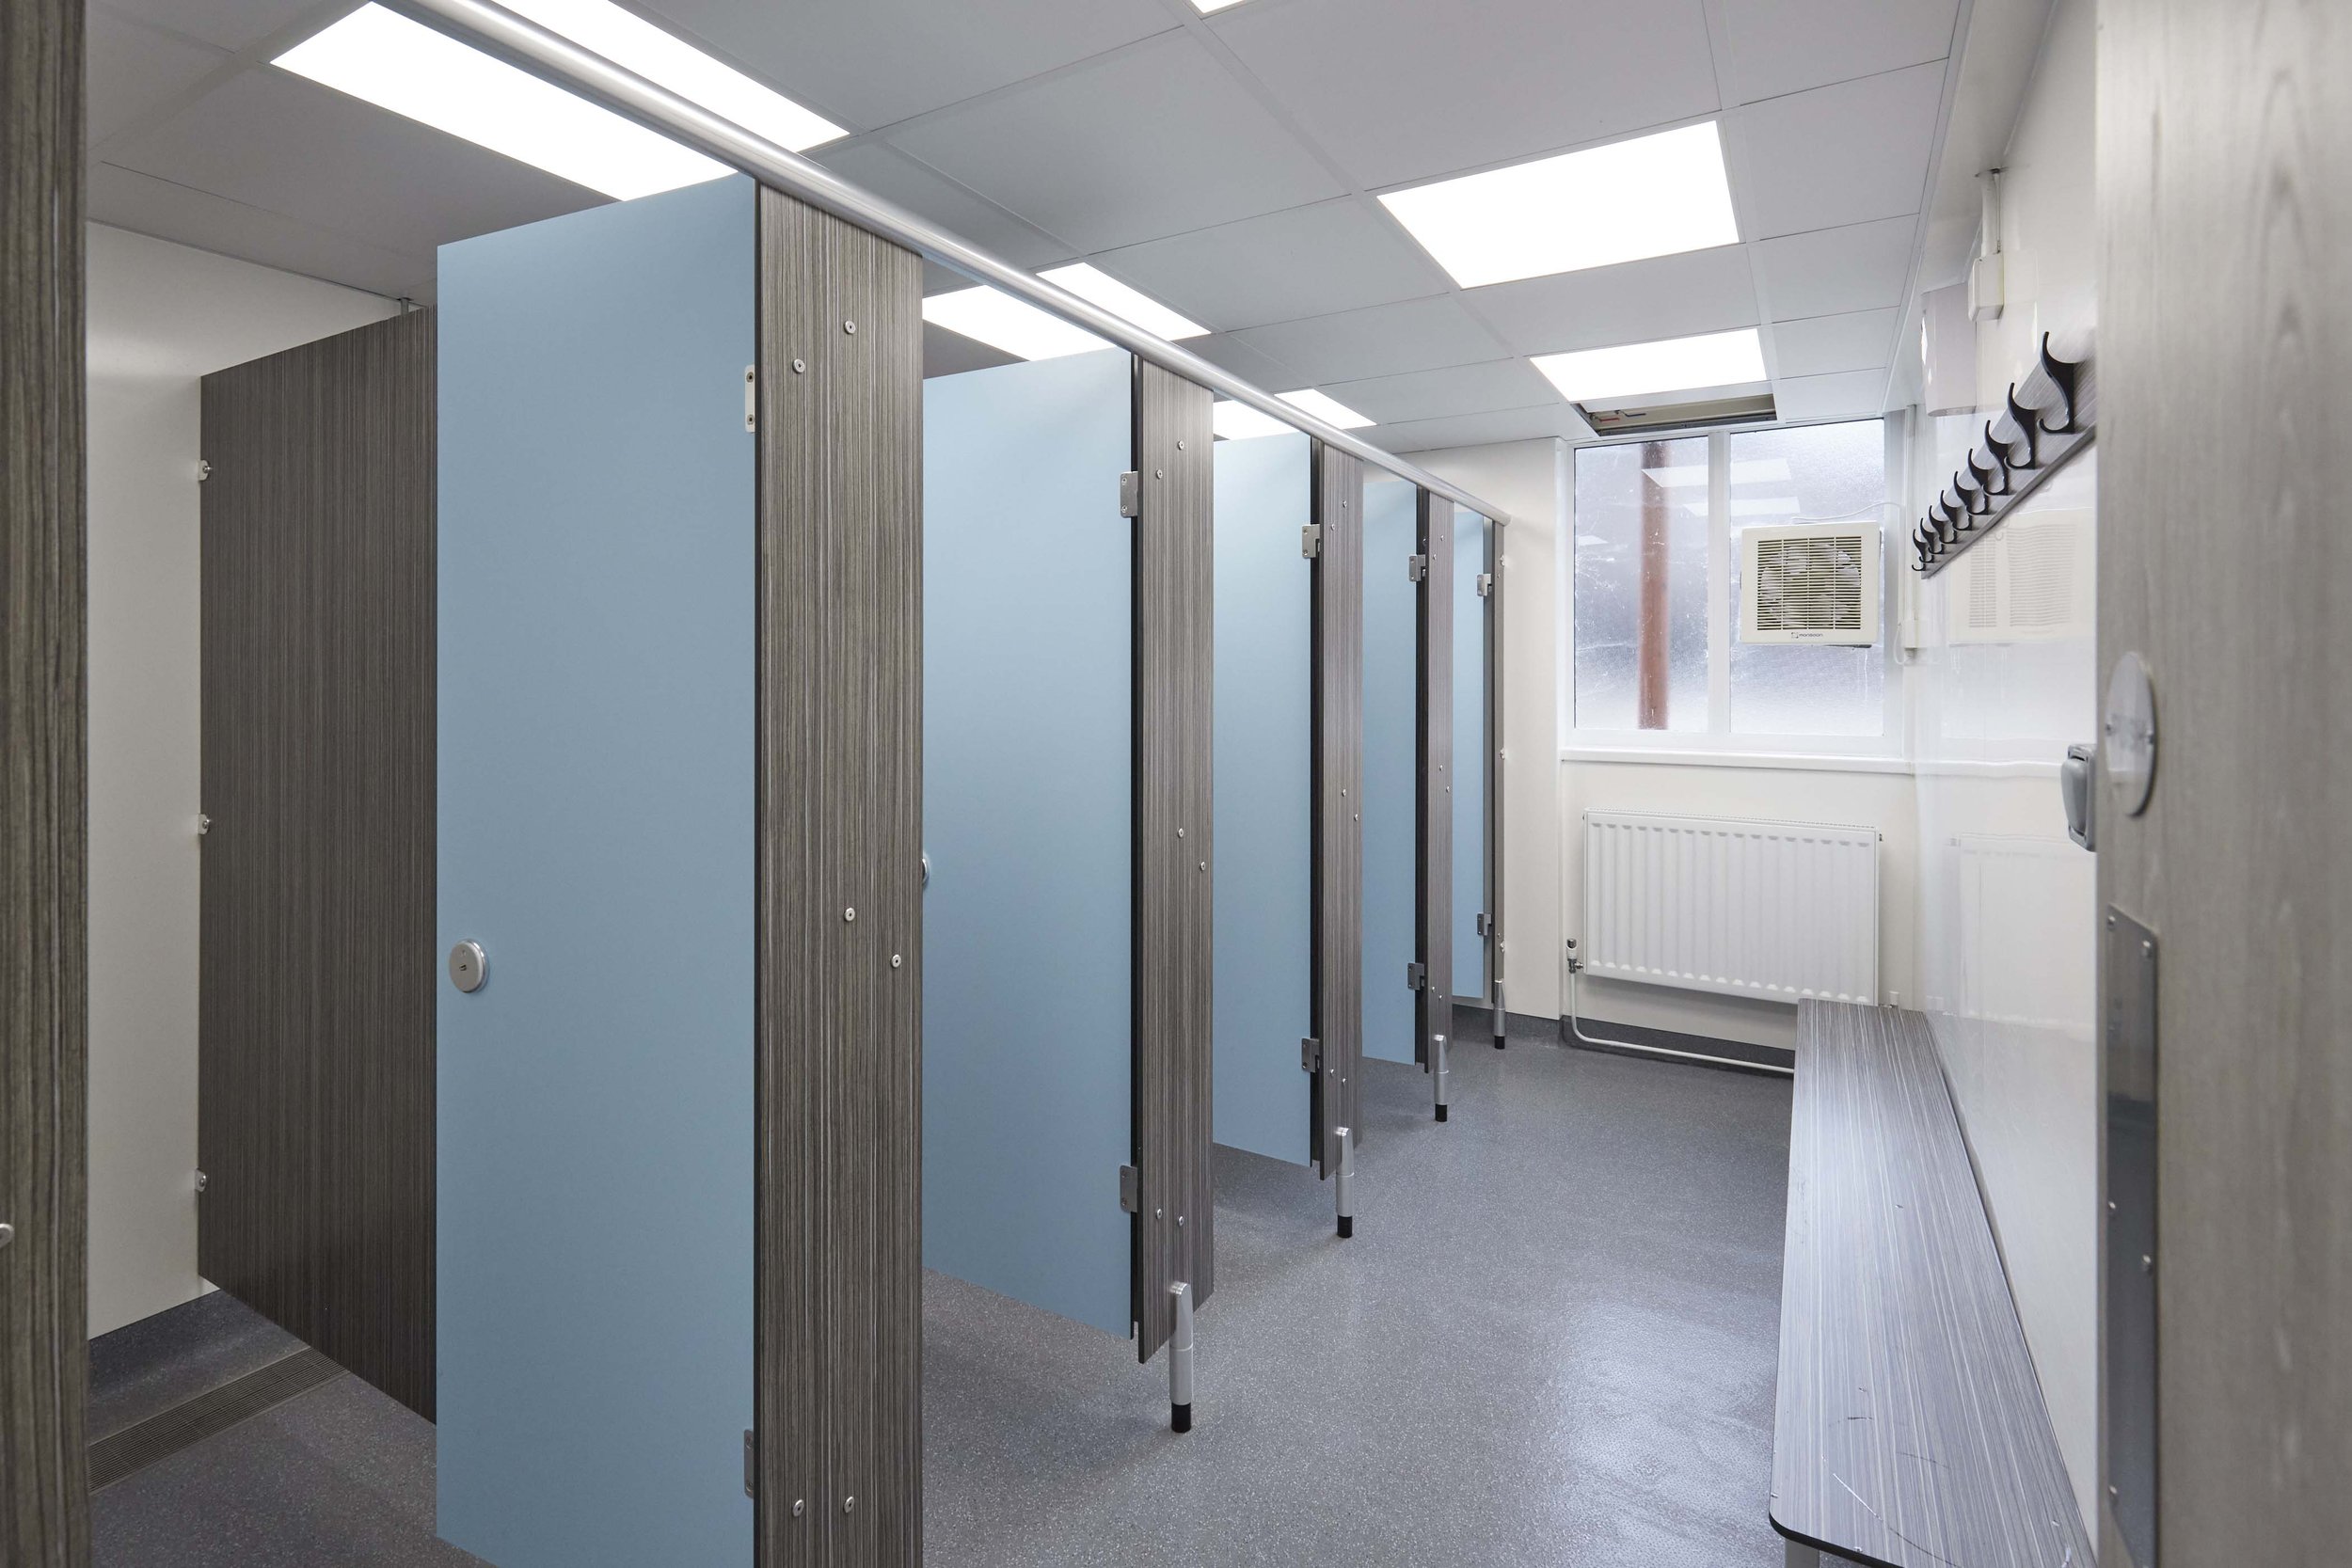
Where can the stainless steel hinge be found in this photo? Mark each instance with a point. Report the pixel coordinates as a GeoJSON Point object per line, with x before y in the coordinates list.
{"type": "Point", "coordinates": [1416, 976]}
{"type": "Point", "coordinates": [1483, 929]}
{"type": "Point", "coordinates": [1416, 568]}
{"type": "Point", "coordinates": [1309, 1055]}
{"type": "Point", "coordinates": [1310, 541]}
{"type": "Point", "coordinates": [1485, 584]}
{"type": "Point", "coordinates": [751, 1466]}
{"type": "Point", "coordinates": [203, 470]}
{"type": "Point", "coordinates": [1131, 1189]}
{"type": "Point", "coordinates": [751, 397]}
{"type": "Point", "coordinates": [1130, 494]}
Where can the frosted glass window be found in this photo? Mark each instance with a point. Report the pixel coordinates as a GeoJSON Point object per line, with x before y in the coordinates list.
{"type": "Point", "coordinates": [1812, 473]}
{"type": "Point", "coordinates": [1641, 554]}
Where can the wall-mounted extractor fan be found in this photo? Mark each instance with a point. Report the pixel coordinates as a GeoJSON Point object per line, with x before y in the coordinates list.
{"type": "Point", "coordinates": [1810, 582]}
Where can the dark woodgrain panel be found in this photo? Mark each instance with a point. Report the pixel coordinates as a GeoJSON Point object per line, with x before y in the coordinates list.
{"type": "Point", "coordinates": [1339, 785]}
{"type": "Point", "coordinates": [1433, 779]}
{"type": "Point", "coordinates": [1909, 1428]}
{"type": "Point", "coordinates": [44, 972]}
{"type": "Point", "coordinates": [839, 1344]}
{"type": "Point", "coordinates": [316, 969]}
{"type": "Point", "coordinates": [1174, 855]}
{"type": "Point", "coordinates": [2225, 346]}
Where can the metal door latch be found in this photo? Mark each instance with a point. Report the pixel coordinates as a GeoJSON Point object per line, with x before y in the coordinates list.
{"type": "Point", "coordinates": [1485, 584]}
{"type": "Point", "coordinates": [1131, 1189]}
{"type": "Point", "coordinates": [1309, 1055]}
{"type": "Point", "coordinates": [1416, 976]}
{"type": "Point", "coordinates": [1310, 541]}
{"type": "Point", "coordinates": [1482, 926]}
{"type": "Point", "coordinates": [1416, 568]}
{"type": "Point", "coordinates": [1130, 494]}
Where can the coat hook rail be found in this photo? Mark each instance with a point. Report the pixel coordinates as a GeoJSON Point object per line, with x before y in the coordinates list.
{"type": "Point", "coordinates": [2046, 419]}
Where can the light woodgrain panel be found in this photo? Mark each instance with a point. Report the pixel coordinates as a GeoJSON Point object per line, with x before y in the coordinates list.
{"type": "Point", "coordinates": [1433, 779]}
{"type": "Point", "coordinates": [44, 972]}
{"type": "Point", "coordinates": [1909, 1428]}
{"type": "Point", "coordinates": [2226, 435]}
{"type": "Point", "coordinates": [839, 1349]}
{"type": "Point", "coordinates": [1339, 785]}
{"type": "Point", "coordinates": [1174, 852]}
{"type": "Point", "coordinates": [316, 973]}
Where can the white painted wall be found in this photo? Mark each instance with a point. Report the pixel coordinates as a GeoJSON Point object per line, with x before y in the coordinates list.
{"type": "Point", "coordinates": [1528, 480]}
{"type": "Point", "coordinates": [2008, 906]}
{"type": "Point", "coordinates": [160, 316]}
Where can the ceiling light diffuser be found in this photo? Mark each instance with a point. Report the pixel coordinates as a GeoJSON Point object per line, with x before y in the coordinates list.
{"type": "Point", "coordinates": [1206, 7]}
{"type": "Point", "coordinates": [1672, 365]}
{"type": "Point", "coordinates": [1329, 409]}
{"type": "Point", "coordinates": [997, 319]}
{"type": "Point", "coordinates": [628, 40]}
{"type": "Point", "coordinates": [1653, 195]}
{"type": "Point", "coordinates": [409, 69]}
{"type": "Point", "coordinates": [1092, 284]}
{"type": "Point", "coordinates": [1238, 421]}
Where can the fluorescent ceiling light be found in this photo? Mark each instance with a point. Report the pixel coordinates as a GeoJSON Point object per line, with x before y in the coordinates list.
{"type": "Point", "coordinates": [1206, 7]}
{"type": "Point", "coordinates": [1653, 195]}
{"type": "Point", "coordinates": [409, 69]}
{"type": "Point", "coordinates": [1329, 410]}
{"type": "Point", "coordinates": [1238, 421]}
{"type": "Point", "coordinates": [1747, 470]}
{"type": "Point", "coordinates": [1672, 365]}
{"type": "Point", "coordinates": [997, 319]}
{"type": "Point", "coordinates": [1092, 284]}
{"type": "Point", "coordinates": [628, 40]}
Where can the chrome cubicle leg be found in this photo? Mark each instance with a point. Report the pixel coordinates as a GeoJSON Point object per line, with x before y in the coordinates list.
{"type": "Point", "coordinates": [1180, 1361]}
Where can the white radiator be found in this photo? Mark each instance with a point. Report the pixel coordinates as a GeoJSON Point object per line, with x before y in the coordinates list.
{"type": "Point", "coordinates": [1778, 910]}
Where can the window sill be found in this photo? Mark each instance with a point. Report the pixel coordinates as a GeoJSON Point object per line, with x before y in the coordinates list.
{"type": "Point", "coordinates": [1661, 756]}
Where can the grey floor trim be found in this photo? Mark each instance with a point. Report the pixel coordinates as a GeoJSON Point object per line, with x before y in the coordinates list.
{"type": "Point", "coordinates": [182, 1426]}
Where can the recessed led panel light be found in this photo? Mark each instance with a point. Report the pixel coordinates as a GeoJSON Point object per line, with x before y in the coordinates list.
{"type": "Point", "coordinates": [1206, 7]}
{"type": "Point", "coordinates": [1329, 409]}
{"type": "Point", "coordinates": [409, 69]}
{"type": "Point", "coordinates": [1238, 421]}
{"type": "Point", "coordinates": [628, 40]}
{"type": "Point", "coordinates": [1672, 365]}
{"type": "Point", "coordinates": [997, 319]}
{"type": "Point", "coordinates": [1653, 195]}
{"type": "Point", "coordinates": [1091, 283]}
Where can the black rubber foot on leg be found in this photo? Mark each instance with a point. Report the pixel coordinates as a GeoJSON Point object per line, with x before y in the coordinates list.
{"type": "Point", "coordinates": [1180, 1417]}
{"type": "Point", "coordinates": [1442, 1113]}
{"type": "Point", "coordinates": [1347, 1226]}
{"type": "Point", "coordinates": [1498, 1043]}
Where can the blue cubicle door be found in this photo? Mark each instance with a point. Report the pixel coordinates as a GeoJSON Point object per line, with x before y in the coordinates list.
{"type": "Point", "coordinates": [1472, 760]}
{"type": "Point", "coordinates": [1028, 806]}
{"type": "Point", "coordinates": [596, 688]}
{"type": "Point", "coordinates": [1392, 663]}
{"type": "Point", "coordinates": [1265, 791]}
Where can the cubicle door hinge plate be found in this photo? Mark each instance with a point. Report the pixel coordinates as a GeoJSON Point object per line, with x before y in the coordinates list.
{"type": "Point", "coordinates": [1310, 541]}
{"type": "Point", "coordinates": [1130, 494]}
{"type": "Point", "coordinates": [1485, 584]}
{"type": "Point", "coordinates": [1416, 976]}
{"type": "Point", "coordinates": [751, 1466]}
{"type": "Point", "coordinates": [1309, 1055]}
{"type": "Point", "coordinates": [751, 397]}
{"type": "Point", "coordinates": [1416, 568]}
{"type": "Point", "coordinates": [1482, 925]}
{"type": "Point", "coordinates": [1131, 1189]}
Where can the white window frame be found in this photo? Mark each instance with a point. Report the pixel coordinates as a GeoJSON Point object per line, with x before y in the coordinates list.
{"type": "Point", "coordinates": [1885, 752]}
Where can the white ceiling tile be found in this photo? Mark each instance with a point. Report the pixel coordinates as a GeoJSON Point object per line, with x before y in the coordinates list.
{"type": "Point", "coordinates": [1480, 430]}
{"type": "Point", "coordinates": [1383, 340]}
{"type": "Point", "coordinates": [1783, 46]}
{"type": "Point", "coordinates": [145, 205]}
{"type": "Point", "coordinates": [1401, 90]}
{"type": "Point", "coordinates": [274, 141]}
{"type": "Point", "coordinates": [1262, 371]}
{"type": "Point", "coordinates": [1305, 261]}
{"type": "Point", "coordinates": [870, 63]}
{"type": "Point", "coordinates": [1134, 145]}
{"type": "Point", "coordinates": [1837, 155]}
{"type": "Point", "coordinates": [1498, 383]}
{"type": "Point", "coordinates": [1854, 393]}
{"type": "Point", "coordinates": [134, 69]}
{"type": "Point", "coordinates": [1818, 345]}
{"type": "Point", "coordinates": [1858, 267]}
{"type": "Point", "coordinates": [230, 24]}
{"type": "Point", "coordinates": [1634, 302]}
{"type": "Point", "coordinates": [895, 177]}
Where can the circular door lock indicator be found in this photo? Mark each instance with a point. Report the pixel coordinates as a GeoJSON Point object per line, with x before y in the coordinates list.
{"type": "Point", "coordinates": [469, 966]}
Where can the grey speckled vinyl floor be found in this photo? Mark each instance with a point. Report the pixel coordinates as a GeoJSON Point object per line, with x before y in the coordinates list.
{"type": "Point", "coordinates": [1552, 1342]}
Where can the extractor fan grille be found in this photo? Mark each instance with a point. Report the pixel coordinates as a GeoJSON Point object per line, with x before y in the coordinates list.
{"type": "Point", "coordinates": [1810, 584]}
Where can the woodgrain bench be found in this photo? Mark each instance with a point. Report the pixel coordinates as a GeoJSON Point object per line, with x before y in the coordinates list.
{"type": "Point", "coordinates": [1910, 1430]}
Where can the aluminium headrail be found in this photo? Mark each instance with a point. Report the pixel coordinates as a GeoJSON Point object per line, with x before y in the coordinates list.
{"type": "Point", "coordinates": [555, 58]}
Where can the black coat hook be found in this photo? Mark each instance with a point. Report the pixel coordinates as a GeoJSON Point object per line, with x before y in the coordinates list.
{"type": "Point", "coordinates": [2061, 373]}
{"type": "Point", "coordinates": [2028, 432]}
